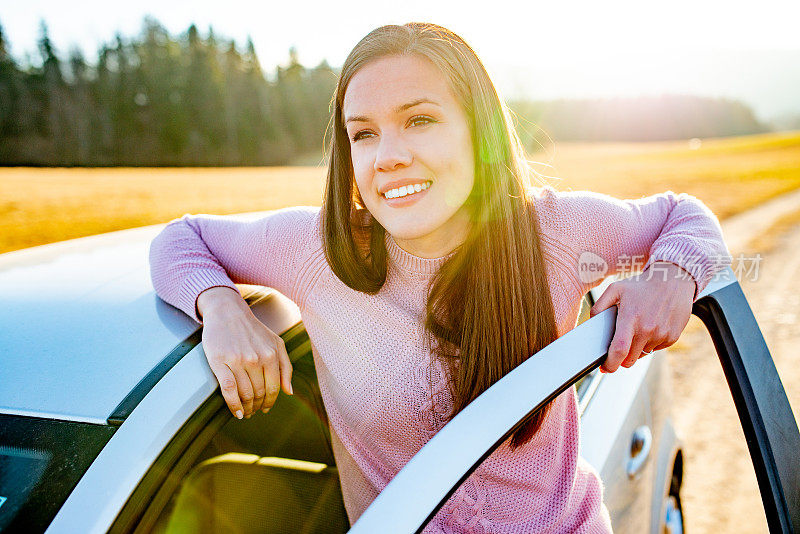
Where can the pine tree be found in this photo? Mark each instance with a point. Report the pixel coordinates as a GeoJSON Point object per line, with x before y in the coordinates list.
{"type": "Point", "coordinates": [14, 124]}
{"type": "Point", "coordinates": [8, 90]}
{"type": "Point", "coordinates": [81, 109]}
{"type": "Point", "coordinates": [55, 101]}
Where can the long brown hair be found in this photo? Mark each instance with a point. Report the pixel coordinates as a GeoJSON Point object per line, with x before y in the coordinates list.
{"type": "Point", "coordinates": [489, 306]}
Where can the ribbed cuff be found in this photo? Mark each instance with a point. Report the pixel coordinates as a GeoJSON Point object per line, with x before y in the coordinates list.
{"type": "Point", "coordinates": [195, 284]}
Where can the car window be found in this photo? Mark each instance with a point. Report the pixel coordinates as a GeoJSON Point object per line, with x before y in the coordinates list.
{"type": "Point", "coordinates": [41, 461]}
{"type": "Point", "coordinates": [586, 305]}
{"type": "Point", "coordinates": [272, 472]}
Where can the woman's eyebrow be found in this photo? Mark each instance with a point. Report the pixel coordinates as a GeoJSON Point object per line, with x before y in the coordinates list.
{"type": "Point", "coordinates": [398, 109]}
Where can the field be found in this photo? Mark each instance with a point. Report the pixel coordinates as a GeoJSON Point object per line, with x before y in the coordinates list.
{"type": "Point", "coordinates": [40, 206]}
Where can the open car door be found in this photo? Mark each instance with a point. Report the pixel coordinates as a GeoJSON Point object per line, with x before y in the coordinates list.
{"type": "Point", "coordinates": [419, 490]}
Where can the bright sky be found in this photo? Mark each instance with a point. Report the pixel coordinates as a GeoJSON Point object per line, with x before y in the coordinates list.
{"type": "Point", "coordinates": [548, 49]}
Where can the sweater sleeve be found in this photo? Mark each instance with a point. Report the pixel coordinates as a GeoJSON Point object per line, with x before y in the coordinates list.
{"type": "Point", "coordinates": [605, 236]}
{"type": "Point", "coordinates": [197, 252]}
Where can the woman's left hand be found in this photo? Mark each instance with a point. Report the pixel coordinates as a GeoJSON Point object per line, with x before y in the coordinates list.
{"type": "Point", "coordinates": [653, 308]}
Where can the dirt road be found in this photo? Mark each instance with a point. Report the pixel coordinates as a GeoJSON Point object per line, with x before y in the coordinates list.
{"type": "Point", "coordinates": [720, 493]}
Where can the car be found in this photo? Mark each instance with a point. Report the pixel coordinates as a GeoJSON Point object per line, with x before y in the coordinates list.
{"type": "Point", "coordinates": [112, 421]}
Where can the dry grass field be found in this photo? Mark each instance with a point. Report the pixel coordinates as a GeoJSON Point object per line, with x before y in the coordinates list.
{"type": "Point", "coordinates": [39, 206]}
{"type": "Point", "coordinates": [729, 175]}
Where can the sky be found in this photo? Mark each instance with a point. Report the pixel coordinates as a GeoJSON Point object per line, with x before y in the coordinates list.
{"type": "Point", "coordinates": [554, 49]}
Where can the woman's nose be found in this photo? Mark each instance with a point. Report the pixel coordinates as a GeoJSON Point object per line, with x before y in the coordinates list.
{"type": "Point", "coordinates": [392, 153]}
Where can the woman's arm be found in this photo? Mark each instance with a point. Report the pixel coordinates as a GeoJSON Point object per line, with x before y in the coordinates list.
{"type": "Point", "coordinates": [675, 240]}
{"type": "Point", "coordinates": [604, 235]}
{"type": "Point", "coordinates": [198, 252]}
{"type": "Point", "coordinates": [195, 262]}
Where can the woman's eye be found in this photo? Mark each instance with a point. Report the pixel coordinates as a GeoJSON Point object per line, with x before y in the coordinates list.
{"type": "Point", "coordinates": [361, 135]}
{"type": "Point", "coordinates": [421, 120]}
{"type": "Point", "coordinates": [418, 120]}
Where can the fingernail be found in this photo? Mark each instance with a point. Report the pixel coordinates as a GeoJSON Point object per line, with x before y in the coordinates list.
{"type": "Point", "coordinates": [239, 414]}
{"type": "Point", "coordinates": [291, 391]}
{"type": "Point", "coordinates": [265, 410]}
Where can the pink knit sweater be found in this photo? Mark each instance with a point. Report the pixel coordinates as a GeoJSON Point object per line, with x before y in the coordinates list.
{"type": "Point", "coordinates": [374, 371]}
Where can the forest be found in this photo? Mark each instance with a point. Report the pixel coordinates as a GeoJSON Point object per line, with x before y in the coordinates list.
{"type": "Point", "coordinates": [199, 100]}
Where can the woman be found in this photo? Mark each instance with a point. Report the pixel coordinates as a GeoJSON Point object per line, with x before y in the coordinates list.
{"type": "Point", "coordinates": [433, 269]}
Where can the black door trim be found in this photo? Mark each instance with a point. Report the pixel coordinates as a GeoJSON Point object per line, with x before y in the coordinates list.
{"type": "Point", "coordinates": [766, 416]}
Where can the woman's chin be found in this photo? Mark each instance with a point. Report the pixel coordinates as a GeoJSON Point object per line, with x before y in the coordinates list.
{"type": "Point", "coordinates": [404, 233]}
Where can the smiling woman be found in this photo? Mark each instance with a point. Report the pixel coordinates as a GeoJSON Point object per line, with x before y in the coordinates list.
{"type": "Point", "coordinates": [396, 145]}
{"type": "Point", "coordinates": [433, 269]}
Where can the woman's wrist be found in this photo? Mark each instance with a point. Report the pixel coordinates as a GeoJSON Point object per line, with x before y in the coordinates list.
{"type": "Point", "coordinates": [676, 273]}
{"type": "Point", "coordinates": [219, 300]}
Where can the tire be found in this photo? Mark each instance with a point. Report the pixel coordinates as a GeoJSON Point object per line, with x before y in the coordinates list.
{"type": "Point", "coordinates": [673, 515]}
{"type": "Point", "coordinates": [672, 521]}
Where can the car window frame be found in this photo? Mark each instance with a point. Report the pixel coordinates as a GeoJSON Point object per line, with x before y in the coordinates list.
{"type": "Point", "coordinates": [587, 385]}
{"type": "Point", "coordinates": [153, 492]}
{"type": "Point", "coordinates": [148, 500]}
{"type": "Point", "coordinates": [407, 504]}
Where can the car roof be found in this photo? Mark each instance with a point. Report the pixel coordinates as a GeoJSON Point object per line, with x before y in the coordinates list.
{"type": "Point", "coordinates": [81, 326]}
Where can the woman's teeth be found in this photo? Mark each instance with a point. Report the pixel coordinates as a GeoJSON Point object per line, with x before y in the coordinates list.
{"type": "Point", "coordinates": [407, 190]}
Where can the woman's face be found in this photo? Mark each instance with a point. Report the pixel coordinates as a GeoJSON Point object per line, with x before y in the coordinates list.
{"type": "Point", "coordinates": [410, 140]}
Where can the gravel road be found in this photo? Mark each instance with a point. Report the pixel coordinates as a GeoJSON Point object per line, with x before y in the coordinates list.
{"type": "Point", "coordinates": [720, 493]}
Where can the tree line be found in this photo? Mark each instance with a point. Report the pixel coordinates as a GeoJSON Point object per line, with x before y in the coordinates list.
{"type": "Point", "coordinates": [160, 100]}
{"type": "Point", "coordinates": [193, 99]}
{"type": "Point", "coordinates": [646, 118]}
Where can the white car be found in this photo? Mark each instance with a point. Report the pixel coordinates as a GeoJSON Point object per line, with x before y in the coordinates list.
{"type": "Point", "coordinates": [112, 421]}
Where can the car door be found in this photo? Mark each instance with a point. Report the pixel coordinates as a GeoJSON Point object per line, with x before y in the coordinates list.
{"type": "Point", "coordinates": [622, 437]}
{"type": "Point", "coordinates": [418, 491]}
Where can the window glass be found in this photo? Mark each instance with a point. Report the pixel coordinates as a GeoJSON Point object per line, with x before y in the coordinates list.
{"type": "Point", "coordinates": [586, 305]}
{"type": "Point", "coordinates": [274, 472]}
{"type": "Point", "coordinates": [41, 461]}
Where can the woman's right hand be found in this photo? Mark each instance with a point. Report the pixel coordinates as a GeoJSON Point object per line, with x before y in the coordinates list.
{"type": "Point", "coordinates": [248, 359]}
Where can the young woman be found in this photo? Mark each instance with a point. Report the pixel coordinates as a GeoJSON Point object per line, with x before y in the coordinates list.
{"type": "Point", "coordinates": [432, 269]}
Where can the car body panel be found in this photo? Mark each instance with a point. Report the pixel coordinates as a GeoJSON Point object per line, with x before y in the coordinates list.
{"type": "Point", "coordinates": [85, 311]}
{"type": "Point", "coordinates": [620, 406]}
{"type": "Point", "coordinates": [666, 462]}
{"type": "Point", "coordinates": [603, 417]}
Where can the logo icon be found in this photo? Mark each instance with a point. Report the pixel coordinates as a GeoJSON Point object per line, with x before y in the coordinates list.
{"type": "Point", "coordinates": [591, 267]}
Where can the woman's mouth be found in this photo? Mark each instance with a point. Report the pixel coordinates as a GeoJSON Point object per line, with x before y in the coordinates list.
{"type": "Point", "coordinates": [407, 194]}
{"type": "Point", "coordinates": [406, 190]}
